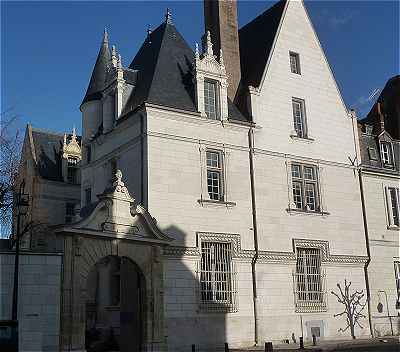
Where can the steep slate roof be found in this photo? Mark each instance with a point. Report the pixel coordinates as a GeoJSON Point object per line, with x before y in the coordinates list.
{"type": "Point", "coordinates": [48, 150]}
{"type": "Point", "coordinates": [255, 43]}
{"type": "Point", "coordinates": [164, 77]}
{"type": "Point", "coordinates": [389, 100]}
{"type": "Point", "coordinates": [99, 74]}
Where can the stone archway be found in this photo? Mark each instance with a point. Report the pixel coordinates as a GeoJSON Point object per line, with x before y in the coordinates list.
{"type": "Point", "coordinates": [114, 307]}
{"type": "Point", "coordinates": [114, 228]}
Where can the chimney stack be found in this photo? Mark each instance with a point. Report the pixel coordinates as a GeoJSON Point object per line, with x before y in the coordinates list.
{"type": "Point", "coordinates": [220, 18]}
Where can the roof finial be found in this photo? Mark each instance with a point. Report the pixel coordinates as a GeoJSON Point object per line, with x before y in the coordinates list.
{"type": "Point", "coordinates": [105, 36]}
{"type": "Point", "coordinates": [197, 53]}
{"type": "Point", "coordinates": [149, 31]}
{"type": "Point", "coordinates": [168, 17]}
{"type": "Point", "coordinates": [208, 48]}
{"type": "Point", "coordinates": [73, 138]}
{"type": "Point", "coordinates": [221, 58]}
{"type": "Point", "coordinates": [119, 62]}
{"type": "Point", "coordinates": [114, 57]}
{"type": "Point", "coordinates": [65, 140]}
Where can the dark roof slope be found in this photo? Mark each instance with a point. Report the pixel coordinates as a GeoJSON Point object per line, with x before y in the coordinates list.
{"type": "Point", "coordinates": [255, 43]}
{"type": "Point", "coordinates": [389, 107]}
{"type": "Point", "coordinates": [99, 74]}
{"type": "Point", "coordinates": [164, 73]}
{"type": "Point", "coordinates": [48, 149]}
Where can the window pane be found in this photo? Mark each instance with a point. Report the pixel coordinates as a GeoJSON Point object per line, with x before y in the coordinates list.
{"type": "Point", "coordinates": [298, 117]}
{"type": "Point", "coordinates": [310, 196]}
{"type": "Point", "coordinates": [394, 203]}
{"type": "Point", "coordinates": [213, 159]}
{"type": "Point", "coordinates": [298, 195]}
{"type": "Point", "coordinates": [296, 171]}
{"type": "Point", "coordinates": [210, 99]}
{"type": "Point", "coordinates": [309, 173]}
{"type": "Point", "coordinates": [294, 63]}
{"type": "Point", "coordinates": [214, 184]}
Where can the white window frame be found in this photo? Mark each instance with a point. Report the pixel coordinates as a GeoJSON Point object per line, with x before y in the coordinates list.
{"type": "Point", "coordinates": [215, 84]}
{"type": "Point", "coordinates": [294, 65]}
{"type": "Point", "coordinates": [387, 155]}
{"type": "Point", "coordinates": [300, 127]}
{"type": "Point", "coordinates": [309, 280]}
{"type": "Point", "coordinates": [392, 208]}
{"type": "Point", "coordinates": [219, 169]}
{"type": "Point", "coordinates": [216, 272]}
{"type": "Point", "coordinates": [304, 183]}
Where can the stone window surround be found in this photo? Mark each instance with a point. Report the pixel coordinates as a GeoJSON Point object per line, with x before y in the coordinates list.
{"type": "Point", "coordinates": [204, 196]}
{"type": "Point", "coordinates": [291, 209]}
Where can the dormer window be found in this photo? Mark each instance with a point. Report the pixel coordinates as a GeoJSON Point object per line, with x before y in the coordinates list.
{"type": "Point", "coordinates": [211, 99]}
{"type": "Point", "coordinates": [387, 154]}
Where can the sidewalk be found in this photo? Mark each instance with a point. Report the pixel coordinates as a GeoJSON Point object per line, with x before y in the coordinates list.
{"type": "Point", "coordinates": [330, 345]}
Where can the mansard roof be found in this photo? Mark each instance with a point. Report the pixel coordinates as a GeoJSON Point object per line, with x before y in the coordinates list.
{"type": "Point", "coordinates": [255, 42]}
{"type": "Point", "coordinates": [99, 74]}
{"type": "Point", "coordinates": [164, 73]}
{"type": "Point", "coordinates": [47, 147]}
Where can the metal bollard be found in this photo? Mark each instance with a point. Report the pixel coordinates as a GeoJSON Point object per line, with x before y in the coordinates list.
{"type": "Point", "coordinates": [301, 342]}
{"type": "Point", "coordinates": [314, 340]}
{"type": "Point", "coordinates": [193, 348]}
{"type": "Point", "coordinates": [268, 347]}
{"type": "Point", "coordinates": [226, 347]}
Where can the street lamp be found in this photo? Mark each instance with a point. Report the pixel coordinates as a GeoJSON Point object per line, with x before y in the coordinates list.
{"type": "Point", "coordinates": [22, 205]}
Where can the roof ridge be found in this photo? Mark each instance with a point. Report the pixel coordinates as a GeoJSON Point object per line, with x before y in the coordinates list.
{"type": "Point", "coordinates": [44, 130]}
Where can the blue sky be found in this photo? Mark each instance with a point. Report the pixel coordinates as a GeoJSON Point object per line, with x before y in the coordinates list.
{"type": "Point", "coordinates": [48, 49]}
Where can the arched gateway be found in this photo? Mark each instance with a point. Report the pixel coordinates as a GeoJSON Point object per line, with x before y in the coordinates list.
{"type": "Point", "coordinates": [112, 289]}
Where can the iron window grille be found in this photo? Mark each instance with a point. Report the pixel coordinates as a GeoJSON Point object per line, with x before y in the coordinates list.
{"type": "Point", "coordinates": [211, 99]}
{"type": "Point", "coordinates": [392, 195]}
{"type": "Point", "coordinates": [217, 277]}
{"type": "Point", "coordinates": [305, 187]}
{"type": "Point", "coordinates": [299, 117]}
{"type": "Point", "coordinates": [294, 62]}
{"type": "Point", "coordinates": [387, 154]}
{"type": "Point", "coordinates": [215, 175]}
{"type": "Point", "coordinates": [309, 281]}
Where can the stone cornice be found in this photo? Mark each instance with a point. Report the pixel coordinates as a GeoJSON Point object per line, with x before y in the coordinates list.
{"type": "Point", "coordinates": [265, 257]}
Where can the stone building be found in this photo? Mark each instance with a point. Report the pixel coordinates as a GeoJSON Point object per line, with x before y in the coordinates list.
{"type": "Point", "coordinates": [380, 166]}
{"type": "Point", "coordinates": [50, 169]}
{"type": "Point", "coordinates": [257, 204]}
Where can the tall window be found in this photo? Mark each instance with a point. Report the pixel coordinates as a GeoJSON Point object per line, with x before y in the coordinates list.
{"type": "Point", "coordinates": [216, 274]}
{"type": "Point", "coordinates": [88, 196]}
{"type": "Point", "coordinates": [215, 175]}
{"type": "Point", "coordinates": [305, 187]}
{"type": "Point", "coordinates": [387, 154]}
{"type": "Point", "coordinates": [393, 206]}
{"type": "Point", "coordinates": [294, 62]}
{"type": "Point", "coordinates": [72, 170]}
{"type": "Point", "coordinates": [69, 212]}
{"type": "Point", "coordinates": [210, 99]}
{"type": "Point", "coordinates": [299, 118]}
{"type": "Point", "coordinates": [308, 278]}
{"type": "Point", "coordinates": [88, 154]}
{"type": "Point", "coordinates": [397, 278]}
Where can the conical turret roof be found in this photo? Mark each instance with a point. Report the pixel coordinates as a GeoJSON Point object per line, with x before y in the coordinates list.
{"type": "Point", "coordinates": [99, 74]}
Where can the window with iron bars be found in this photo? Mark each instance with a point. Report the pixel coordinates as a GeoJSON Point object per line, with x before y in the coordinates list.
{"type": "Point", "coordinates": [217, 277]}
{"type": "Point", "coordinates": [309, 280]}
{"type": "Point", "coordinates": [305, 187]}
{"type": "Point", "coordinates": [397, 277]}
{"type": "Point", "coordinates": [215, 182]}
{"type": "Point", "coordinates": [392, 195]}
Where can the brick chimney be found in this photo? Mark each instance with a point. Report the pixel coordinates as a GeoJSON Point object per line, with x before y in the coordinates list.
{"type": "Point", "coordinates": [220, 18]}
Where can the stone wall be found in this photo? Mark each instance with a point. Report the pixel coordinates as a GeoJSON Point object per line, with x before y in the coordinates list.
{"type": "Point", "coordinates": [38, 300]}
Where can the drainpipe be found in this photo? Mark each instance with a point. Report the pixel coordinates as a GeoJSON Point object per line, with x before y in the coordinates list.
{"type": "Point", "coordinates": [368, 250]}
{"type": "Point", "coordinates": [254, 217]}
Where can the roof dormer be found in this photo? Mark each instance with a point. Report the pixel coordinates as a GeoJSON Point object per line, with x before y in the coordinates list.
{"type": "Point", "coordinates": [211, 82]}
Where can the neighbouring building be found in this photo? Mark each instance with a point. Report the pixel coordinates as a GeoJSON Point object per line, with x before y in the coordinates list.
{"type": "Point", "coordinates": [50, 169]}
{"type": "Point", "coordinates": [379, 134]}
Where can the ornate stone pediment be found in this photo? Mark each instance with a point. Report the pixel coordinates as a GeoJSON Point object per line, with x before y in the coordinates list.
{"type": "Point", "coordinates": [72, 148]}
{"type": "Point", "coordinates": [115, 215]}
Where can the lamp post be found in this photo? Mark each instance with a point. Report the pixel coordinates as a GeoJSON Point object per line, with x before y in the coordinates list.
{"type": "Point", "coordinates": [22, 207]}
